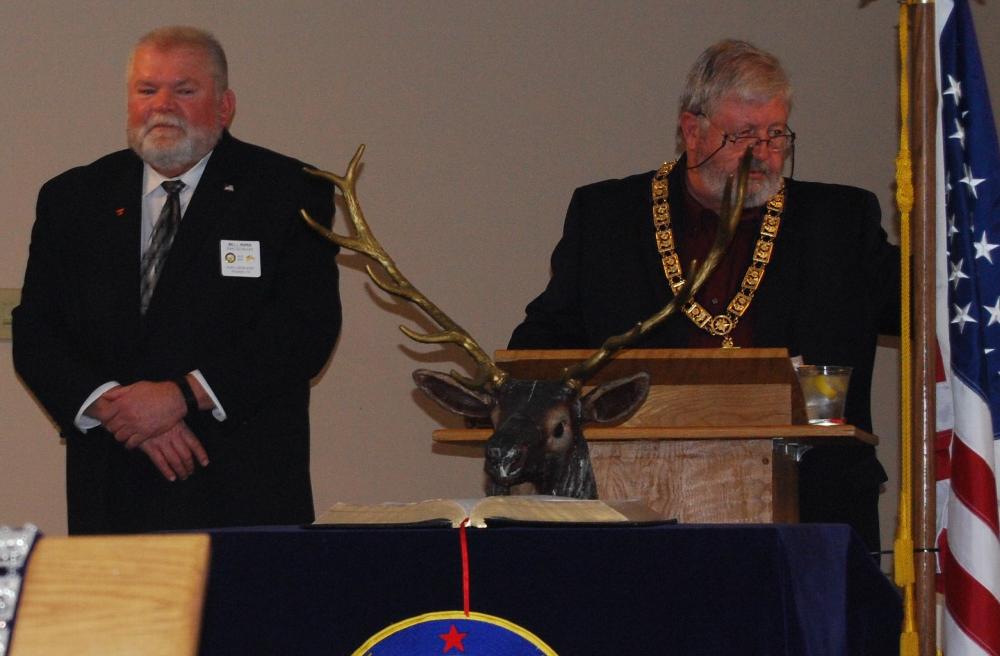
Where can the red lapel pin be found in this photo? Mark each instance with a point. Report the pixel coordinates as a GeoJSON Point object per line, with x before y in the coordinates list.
{"type": "Point", "coordinates": [120, 211]}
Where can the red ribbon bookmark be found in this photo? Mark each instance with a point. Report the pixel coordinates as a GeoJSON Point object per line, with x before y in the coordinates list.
{"type": "Point", "coordinates": [464, 547]}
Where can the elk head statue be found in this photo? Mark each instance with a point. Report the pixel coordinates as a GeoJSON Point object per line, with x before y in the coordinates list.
{"type": "Point", "coordinates": [538, 424]}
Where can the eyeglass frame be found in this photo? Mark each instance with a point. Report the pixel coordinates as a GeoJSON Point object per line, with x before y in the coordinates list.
{"type": "Point", "coordinates": [735, 139]}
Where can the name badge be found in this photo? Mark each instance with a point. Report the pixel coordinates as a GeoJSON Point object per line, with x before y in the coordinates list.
{"type": "Point", "coordinates": [240, 259]}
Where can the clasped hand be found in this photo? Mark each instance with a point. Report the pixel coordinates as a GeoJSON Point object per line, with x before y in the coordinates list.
{"type": "Point", "coordinates": [149, 416]}
{"type": "Point", "coordinates": [174, 452]}
{"type": "Point", "coordinates": [134, 413]}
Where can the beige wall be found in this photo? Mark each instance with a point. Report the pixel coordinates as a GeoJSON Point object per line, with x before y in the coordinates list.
{"type": "Point", "coordinates": [480, 119]}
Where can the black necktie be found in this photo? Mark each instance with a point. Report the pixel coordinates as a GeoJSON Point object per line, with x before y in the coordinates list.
{"type": "Point", "coordinates": [160, 241]}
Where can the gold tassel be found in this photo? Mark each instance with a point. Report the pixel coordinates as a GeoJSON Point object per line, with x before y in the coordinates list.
{"type": "Point", "coordinates": [903, 565]}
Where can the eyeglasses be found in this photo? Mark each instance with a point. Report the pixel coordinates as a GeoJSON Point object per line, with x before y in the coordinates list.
{"type": "Point", "coordinates": [776, 143]}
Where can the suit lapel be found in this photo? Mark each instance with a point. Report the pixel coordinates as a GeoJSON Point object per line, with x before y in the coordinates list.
{"type": "Point", "coordinates": [118, 223]}
{"type": "Point", "coordinates": [775, 298]}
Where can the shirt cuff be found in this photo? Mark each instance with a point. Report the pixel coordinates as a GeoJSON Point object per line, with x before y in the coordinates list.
{"type": "Point", "coordinates": [85, 422]}
{"type": "Point", "coordinates": [218, 412]}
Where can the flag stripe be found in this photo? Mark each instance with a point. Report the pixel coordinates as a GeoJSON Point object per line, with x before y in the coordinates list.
{"type": "Point", "coordinates": [972, 606]}
{"type": "Point", "coordinates": [957, 641]}
{"type": "Point", "coordinates": [973, 545]}
{"type": "Point", "coordinates": [976, 486]}
{"type": "Point", "coordinates": [942, 456]}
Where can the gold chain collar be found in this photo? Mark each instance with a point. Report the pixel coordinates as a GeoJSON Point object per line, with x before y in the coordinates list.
{"type": "Point", "coordinates": [721, 325]}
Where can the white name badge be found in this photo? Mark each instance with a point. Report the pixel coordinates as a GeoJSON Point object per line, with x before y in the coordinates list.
{"type": "Point", "coordinates": [240, 259]}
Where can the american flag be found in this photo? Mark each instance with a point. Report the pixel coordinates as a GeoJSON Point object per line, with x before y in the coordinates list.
{"type": "Point", "coordinates": [968, 332]}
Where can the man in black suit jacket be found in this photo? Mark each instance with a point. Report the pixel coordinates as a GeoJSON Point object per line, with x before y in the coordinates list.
{"type": "Point", "coordinates": [189, 410]}
{"type": "Point", "coordinates": [828, 287]}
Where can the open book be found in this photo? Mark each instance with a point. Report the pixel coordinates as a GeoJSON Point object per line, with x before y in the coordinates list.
{"type": "Point", "coordinates": [519, 508]}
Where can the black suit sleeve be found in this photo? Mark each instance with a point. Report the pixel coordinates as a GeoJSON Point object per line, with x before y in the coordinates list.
{"type": "Point", "coordinates": [48, 352]}
{"type": "Point", "coordinates": [884, 267]}
{"type": "Point", "coordinates": [555, 318]}
{"type": "Point", "coordinates": [298, 322]}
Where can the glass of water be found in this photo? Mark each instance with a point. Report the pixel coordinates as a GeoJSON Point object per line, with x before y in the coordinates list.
{"type": "Point", "coordinates": [824, 388]}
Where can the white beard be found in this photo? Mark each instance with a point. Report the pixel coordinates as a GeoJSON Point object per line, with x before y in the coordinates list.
{"type": "Point", "coordinates": [714, 178]}
{"type": "Point", "coordinates": [180, 153]}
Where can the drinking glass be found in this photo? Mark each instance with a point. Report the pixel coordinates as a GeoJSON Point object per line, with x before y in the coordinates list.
{"type": "Point", "coordinates": [824, 388]}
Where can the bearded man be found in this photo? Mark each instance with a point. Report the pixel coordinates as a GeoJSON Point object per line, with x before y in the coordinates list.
{"type": "Point", "coordinates": [175, 308]}
{"type": "Point", "coordinates": [830, 287]}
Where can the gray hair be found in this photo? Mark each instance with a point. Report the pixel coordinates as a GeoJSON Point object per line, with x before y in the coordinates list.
{"type": "Point", "coordinates": [732, 68]}
{"type": "Point", "coordinates": [180, 36]}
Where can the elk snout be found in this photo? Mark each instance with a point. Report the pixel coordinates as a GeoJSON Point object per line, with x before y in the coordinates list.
{"type": "Point", "coordinates": [506, 465]}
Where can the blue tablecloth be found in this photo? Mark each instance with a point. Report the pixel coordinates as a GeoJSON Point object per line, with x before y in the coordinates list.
{"type": "Point", "coordinates": [799, 590]}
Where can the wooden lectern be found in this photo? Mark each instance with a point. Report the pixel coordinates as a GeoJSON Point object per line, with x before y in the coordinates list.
{"type": "Point", "coordinates": [717, 440]}
{"type": "Point", "coordinates": [113, 594]}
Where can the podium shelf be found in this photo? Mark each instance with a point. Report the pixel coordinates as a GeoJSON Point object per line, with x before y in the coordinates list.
{"type": "Point", "coordinates": [806, 433]}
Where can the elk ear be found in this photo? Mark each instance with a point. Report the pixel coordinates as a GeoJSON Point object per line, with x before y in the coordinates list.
{"type": "Point", "coordinates": [452, 395]}
{"type": "Point", "coordinates": [616, 400]}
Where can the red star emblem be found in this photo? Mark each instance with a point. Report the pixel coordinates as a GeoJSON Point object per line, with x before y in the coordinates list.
{"type": "Point", "coordinates": [452, 639]}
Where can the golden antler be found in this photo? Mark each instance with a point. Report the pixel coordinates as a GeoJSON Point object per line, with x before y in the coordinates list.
{"type": "Point", "coordinates": [729, 216]}
{"type": "Point", "coordinates": [365, 243]}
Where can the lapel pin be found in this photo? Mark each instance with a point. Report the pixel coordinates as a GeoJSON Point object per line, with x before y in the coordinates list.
{"type": "Point", "coordinates": [229, 187]}
{"type": "Point", "coordinates": [120, 211]}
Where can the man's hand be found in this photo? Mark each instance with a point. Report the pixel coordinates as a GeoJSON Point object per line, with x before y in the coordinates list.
{"type": "Point", "coordinates": [175, 452]}
{"type": "Point", "coordinates": [135, 413]}
{"type": "Point", "coordinates": [102, 410]}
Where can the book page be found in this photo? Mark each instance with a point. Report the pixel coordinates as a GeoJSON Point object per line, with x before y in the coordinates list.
{"type": "Point", "coordinates": [542, 508]}
{"type": "Point", "coordinates": [523, 508]}
{"type": "Point", "coordinates": [390, 512]}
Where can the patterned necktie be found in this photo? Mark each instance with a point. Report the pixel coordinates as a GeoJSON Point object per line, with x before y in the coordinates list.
{"type": "Point", "coordinates": [160, 241]}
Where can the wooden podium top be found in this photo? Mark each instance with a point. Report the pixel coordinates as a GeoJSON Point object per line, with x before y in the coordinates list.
{"type": "Point", "coordinates": [696, 394]}
{"type": "Point", "coordinates": [689, 366]}
{"type": "Point", "coordinates": [688, 387]}
{"type": "Point", "coordinates": [114, 594]}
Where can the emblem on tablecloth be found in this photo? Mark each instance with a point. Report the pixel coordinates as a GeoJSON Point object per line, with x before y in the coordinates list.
{"type": "Point", "coordinates": [454, 632]}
